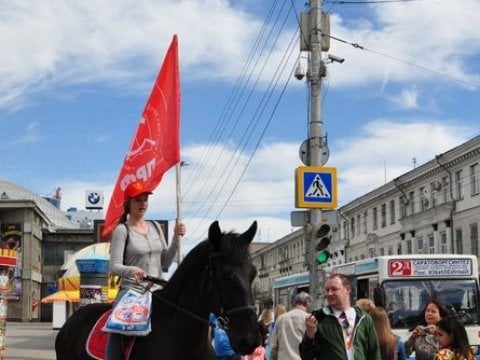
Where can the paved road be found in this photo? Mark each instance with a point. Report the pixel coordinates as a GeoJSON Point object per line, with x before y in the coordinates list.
{"type": "Point", "coordinates": [30, 341]}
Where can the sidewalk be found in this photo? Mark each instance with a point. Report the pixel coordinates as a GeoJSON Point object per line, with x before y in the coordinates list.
{"type": "Point", "coordinates": [30, 341]}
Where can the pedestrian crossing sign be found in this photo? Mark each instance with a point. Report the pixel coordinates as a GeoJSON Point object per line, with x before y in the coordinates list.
{"type": "Point", "coordinates": [316, 187]}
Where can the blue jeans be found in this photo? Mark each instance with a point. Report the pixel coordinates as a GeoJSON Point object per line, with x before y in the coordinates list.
{"type": "Point", "coordinates": [116, 342]}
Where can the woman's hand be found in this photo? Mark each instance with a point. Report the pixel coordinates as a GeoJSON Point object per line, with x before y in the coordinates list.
{"type": "Point", "coordinates": [139, 274]}
{"type": "Point", "coordinates": [418, 331]}
{"type": "Point", "coordinates": [180, 229]}
{"type": "Point", "coordinates": [311, 326]}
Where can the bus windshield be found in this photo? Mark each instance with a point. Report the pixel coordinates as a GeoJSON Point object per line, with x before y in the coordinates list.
{"type": "Point", "coordinates": [406, 300]}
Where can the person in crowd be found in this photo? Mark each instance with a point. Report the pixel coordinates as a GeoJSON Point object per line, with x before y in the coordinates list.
{"type": "Point", "coordinates": [452, 340]}
{"type": "Point", "coordinates": [221, 342]}
{"type": "Point", "coordinates": [422, 340]}
{"type": "Point", "coordinates": [391, 345]}
{"type": "Point", "coordinates": [266, 318]}
{"type": "Point", "coordinates": [339, 331]}
{"type": "Point", "coordinates": [138, 248]}
{"type": "Point", "coordinates": [289, 329]}
{"type": "Point", "coordinates": [257, 354]}
{"type": "Point", "coordinates": [365, 304]}
{"type": "Point", "coordinates": [280, 309]}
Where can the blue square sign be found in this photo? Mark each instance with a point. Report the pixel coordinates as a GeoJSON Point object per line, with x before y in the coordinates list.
{"type": "Point", "coordinates": [316, 187]}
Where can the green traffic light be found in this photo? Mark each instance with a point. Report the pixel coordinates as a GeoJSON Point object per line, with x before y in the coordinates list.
{"type": "Point", "coordinates": [322, 256]}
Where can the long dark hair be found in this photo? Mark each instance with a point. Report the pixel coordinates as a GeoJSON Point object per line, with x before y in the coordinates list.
{"type": "Point", "coordinates": [126, 211]}
{"type": "Point", "coordinates": [456, 330]}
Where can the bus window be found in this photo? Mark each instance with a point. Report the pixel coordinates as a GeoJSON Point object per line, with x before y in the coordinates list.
{"type": "Point", "coordinates": [405, 301]}
{"type": "Point", "coordinates": [461, 297]}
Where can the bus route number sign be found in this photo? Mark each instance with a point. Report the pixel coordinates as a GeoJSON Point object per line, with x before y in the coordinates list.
{"type": "Point", "coordinates": [429, 267]}
{"type": "Point", "coordinates": [400, 268]}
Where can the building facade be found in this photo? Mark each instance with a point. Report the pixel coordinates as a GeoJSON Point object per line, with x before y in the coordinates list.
{"type": "Point", "coordinates": [43, 235]}
{"type": "Point", "coordinates": [432, 209]}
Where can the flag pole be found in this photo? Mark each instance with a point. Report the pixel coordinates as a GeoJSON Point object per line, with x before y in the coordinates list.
{"type": "Point", "coordinates": [179, 206]}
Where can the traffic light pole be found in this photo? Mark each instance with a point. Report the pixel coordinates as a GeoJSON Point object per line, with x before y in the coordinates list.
{"type": "Point", "coordinates": [316, 70]}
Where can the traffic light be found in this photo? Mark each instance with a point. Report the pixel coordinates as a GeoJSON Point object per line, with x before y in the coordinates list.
{"type": "Point", "coordinates": [324, 236]}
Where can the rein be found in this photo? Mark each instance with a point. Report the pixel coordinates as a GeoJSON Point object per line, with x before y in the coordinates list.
{"type": "Point", "coordinates": [222, 317]}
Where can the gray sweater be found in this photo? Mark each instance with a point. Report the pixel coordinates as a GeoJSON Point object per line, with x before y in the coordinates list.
{"type": "Point", "coordinates": [146, 251]}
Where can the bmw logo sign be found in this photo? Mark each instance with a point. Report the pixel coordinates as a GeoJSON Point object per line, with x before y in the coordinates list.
{"type": "Point", "coordinates": [94, 198]}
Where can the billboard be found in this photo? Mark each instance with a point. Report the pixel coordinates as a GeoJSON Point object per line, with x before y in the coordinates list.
{"type": "Point", "coordinates": [11, 259]}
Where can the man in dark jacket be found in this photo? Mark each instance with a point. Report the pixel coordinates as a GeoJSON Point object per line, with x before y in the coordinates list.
{"type": "Point", "coordinates": [339, 331]}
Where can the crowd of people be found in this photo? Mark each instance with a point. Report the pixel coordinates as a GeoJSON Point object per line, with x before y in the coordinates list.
{"type": "Point", "coordinates": [342, 331]}
{"type": "Point", "coordinates": [338, 331]}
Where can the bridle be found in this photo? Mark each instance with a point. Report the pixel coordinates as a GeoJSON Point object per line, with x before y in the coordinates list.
{"type": "Point", "coordinates": [222, 315]}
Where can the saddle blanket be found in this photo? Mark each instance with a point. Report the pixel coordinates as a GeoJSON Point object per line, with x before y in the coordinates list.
{"type": "Point", "coordinates": [97, 340]}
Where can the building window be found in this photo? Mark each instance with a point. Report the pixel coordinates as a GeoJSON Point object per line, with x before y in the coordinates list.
{"type": "Point", "coordinates": [409, 246]}
{"type": "Point", "coordinates": [459, 185]}
{"type": "Point", "coordinates": [434, 188]}
{"type": "Point", "coordinates": [420, 245]}
{"type": "Point", "coordinates": [422, 192]}
{"type": "Point", "coordinates": [392, 211]}
{"type": "Point", "coordinates": [345, 230]}
{"type": "Point", "coordinates": [375, 218]}
{"type": "Point", "coordinates": [443, 243]}
{"type": "Point", "coordinates": [403, 206]}
{"type": "Point", "coordinates": [382, 251]}
{"type": "Point", "coordinates": [411, 202]}
{"type": "Point", "coordinates": [446, 189]}
{"type": "Point", "coordinates": [365, 221]}
{"type": "Point", "coordinates": [384, 215]}
{"type": "Point", "coordinates": [431, 244]}
{"type": "Point", "coordinates": [352, 226]}
{"type": "Point", "coordinates": [358, 224]}
{"type": "Point", "coordinates": [390, 250]}
{"type": "Point", "coordinates": [459, 241]}
{"type": "Point", "coordinates": [474, 180]}
{"type": "Point", "coordinates": [474, 238]}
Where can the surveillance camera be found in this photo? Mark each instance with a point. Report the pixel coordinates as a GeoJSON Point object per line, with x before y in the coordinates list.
{"type": "Point", "coordinates": [336, 58]}
{"type": "Point", "coordinates": [299, 72]}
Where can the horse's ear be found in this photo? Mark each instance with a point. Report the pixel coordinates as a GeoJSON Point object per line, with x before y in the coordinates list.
{"type": "Point", "coordinates": [214, 234]}
{"type": "Point", "coordinates": [250, 233]}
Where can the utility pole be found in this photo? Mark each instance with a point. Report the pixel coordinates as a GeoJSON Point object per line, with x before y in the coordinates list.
{"type": "Point", "coordinates": [178, 192]}
{"type": "Point", "coordinates": [316, 185]}
{"type": "Point", "coordinates": [315, 73]}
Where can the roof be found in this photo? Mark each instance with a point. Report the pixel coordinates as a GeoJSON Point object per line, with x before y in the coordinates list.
{"type": "Point", "coordinates": [54, 215]}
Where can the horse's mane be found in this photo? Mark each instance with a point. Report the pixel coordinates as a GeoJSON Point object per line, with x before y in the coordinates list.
{"type": "Point", "coordinates": [228, 247]}
{"type": "Point", "coordinates": [193, 261]}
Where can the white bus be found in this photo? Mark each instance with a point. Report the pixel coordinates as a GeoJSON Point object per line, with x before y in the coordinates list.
{"type": "Point", "coordinates": [285, 288]}
{"type": "Point", "coordinates": [403, 284]}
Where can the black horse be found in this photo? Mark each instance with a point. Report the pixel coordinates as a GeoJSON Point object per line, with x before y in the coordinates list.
{"type": "Point", "coordinates": [215, 277]}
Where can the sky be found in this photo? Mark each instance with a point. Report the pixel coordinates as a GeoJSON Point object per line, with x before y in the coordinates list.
{"type": "Point", "coordinates": [75, 78]}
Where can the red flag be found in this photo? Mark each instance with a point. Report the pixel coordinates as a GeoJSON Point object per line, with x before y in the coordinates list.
{"type": "Point", "coordinates": [155, 148]}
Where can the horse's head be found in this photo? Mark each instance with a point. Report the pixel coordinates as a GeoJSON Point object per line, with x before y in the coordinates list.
{"type": "Point", "coordinates": [232, 274]}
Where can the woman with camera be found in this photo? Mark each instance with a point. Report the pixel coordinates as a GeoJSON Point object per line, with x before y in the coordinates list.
{"type": "Point", "coordinates": [422, 340]}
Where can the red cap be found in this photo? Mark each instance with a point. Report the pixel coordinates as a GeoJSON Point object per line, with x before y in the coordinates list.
{"type": "Point", "coordinates": [135, 189]}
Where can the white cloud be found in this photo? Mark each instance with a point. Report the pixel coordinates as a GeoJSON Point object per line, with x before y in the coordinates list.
{"type": "Point", "coordinates": [406, 37]}
{"type": "Point", "coordinates": [77, 42]}
{"type": "Point", "coordinates": [268, 193]}
{"type": "Point", "coordinates": [31, 135]}
{"type": "Point", "coordinates": [385, 149]}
